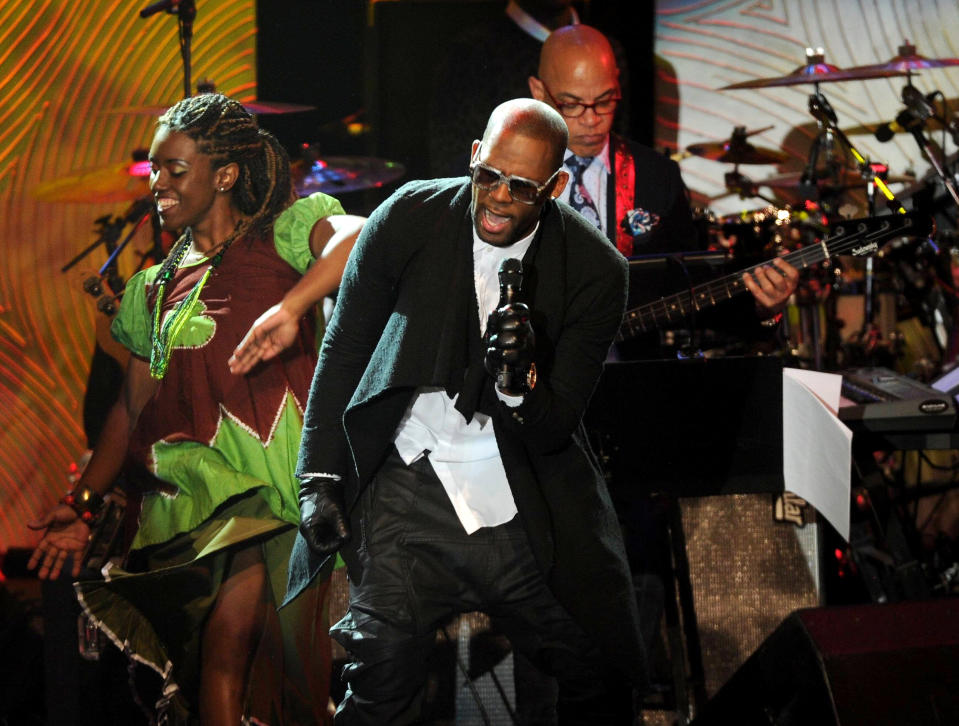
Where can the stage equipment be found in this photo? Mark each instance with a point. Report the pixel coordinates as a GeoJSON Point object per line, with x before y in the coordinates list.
{"type": "Point", "coordinates": [257, 108]}
{"type": "Point", "coordinates": [856, 237]}
{"type": "Point", "coordinates": [687, 431]}
{"type": "Point", "coordinates": [846, 666]}
{"type": "Point", "coordinates": [906, 61]}
{"type": "Point", "coordinates": [185, 11]}
{"type": "Point", "coordinates": [884, 400]}
{"type": "Point", "coordinates": [123, 182]}
{"type": "Point", "coordinates": [817, 71]}
{"type": "Point", "coordinates": [339, 174]}
{"type": "Point", "coordinates": [737, 150]}
{"type": "Point", "coordinates": [846, 179]}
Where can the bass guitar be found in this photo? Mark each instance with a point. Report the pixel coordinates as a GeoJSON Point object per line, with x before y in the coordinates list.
{"type": "Point", "coordinates": [854, 237]}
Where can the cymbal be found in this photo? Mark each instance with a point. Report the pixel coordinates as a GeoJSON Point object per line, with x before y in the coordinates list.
{"type": "Point", "coordinates": [338, 174]}
{"type": "Point", "coordinates": [736, 150]}
{"type": "Point", "coordinates": [848, 179]}
{"type": "Point", "coordinates": [123, 182]}
{"type": "Point", "coordinates": [257, 108]}
{"type": "Point", "coordinates": [742, 153]}
{"type": "Point", "coordinates": [908, 60]}
{"type": "Point", "coordinates": [816, 70]}
{"type": "Point", "coordinates": [818, 73]}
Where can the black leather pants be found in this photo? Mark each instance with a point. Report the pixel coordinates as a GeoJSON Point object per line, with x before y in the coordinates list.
{"type": "Point", "coordinates": [420, 567]}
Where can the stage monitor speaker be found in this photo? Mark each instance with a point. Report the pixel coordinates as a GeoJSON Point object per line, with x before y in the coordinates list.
{"type": "Point", "coordinates": [850, 666]}
{"type": "Point", "coordinates": [747, 572]}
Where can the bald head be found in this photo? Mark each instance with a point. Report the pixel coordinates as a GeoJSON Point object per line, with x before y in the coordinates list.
{"type": "Point", "coordinates": [577, 66]}
{"type": "Point", "coordinates": [531, 118]}
{"type": "Point", "coordinates": [575, 51]}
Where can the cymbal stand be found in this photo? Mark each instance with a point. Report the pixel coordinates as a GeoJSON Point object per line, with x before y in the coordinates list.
{"type": "Point", "coordinates": [745, 187]}
{"type": "Point", "coordinates": [914, 121]}
{"type": "Point", "coordinates": [185, 10]}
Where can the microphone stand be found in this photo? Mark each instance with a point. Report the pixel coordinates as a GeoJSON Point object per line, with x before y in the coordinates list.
{"type": "Point", "coordinates": [185, 10]}
{"type": "Point", "coordinates": [819, 107]}
{"type": "Point", "coordinates": [916, 129]}
{"type": "Point", "coordinates": [823, 112]}
{"type": "Point", "coordinates": [186, 14]}
{"type": "Point", "coordinates": [111, 260]}
{"type": "Point", "coordinates": [108, 234]}
{"type": "Point", "coordinates": [824, 141]}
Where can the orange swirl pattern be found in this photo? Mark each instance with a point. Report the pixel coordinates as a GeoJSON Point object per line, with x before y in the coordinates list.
{"type": "Point", "coordinates": [63, 67]}
{"type": "Point", "coordinates": [703, 45]}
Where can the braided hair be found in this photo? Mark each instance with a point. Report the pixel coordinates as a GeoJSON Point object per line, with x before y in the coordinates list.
{"type": "Point", "coordinates": [227, 133]}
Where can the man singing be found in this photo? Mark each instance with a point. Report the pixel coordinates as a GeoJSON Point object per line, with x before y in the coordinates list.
{"type": "Point", "coordinates": [443, 450]}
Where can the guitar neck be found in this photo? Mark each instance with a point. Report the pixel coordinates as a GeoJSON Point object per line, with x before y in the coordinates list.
{"type": "Point", "coordinates": [856, 237]}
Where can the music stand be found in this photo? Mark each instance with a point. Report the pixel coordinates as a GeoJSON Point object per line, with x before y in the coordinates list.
{"type": "Point", "coordinates": [691, 428]}
{"type": "Point", "coordinates": [694, 427]}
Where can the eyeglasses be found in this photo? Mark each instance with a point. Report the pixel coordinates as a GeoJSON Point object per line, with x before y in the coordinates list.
{"type": "Point", "coordinates": [522, 190]}
{"type": "Point", "coordinates": [571, 109]}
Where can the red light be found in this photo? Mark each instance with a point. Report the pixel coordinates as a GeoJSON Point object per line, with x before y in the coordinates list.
{"type": "Point", "coordinates": [840, 555]}
{"type": "Point", "coordinates": [139, 168]}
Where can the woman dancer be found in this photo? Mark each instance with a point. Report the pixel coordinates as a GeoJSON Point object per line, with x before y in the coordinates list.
{"type": "Point", "coordinates": [209, 559]}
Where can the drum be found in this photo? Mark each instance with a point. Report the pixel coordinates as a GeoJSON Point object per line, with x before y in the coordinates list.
{"type": "Point", "coordinates": [761, 233]}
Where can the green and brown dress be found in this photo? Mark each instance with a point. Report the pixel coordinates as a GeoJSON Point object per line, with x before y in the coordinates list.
{"type": "Point", "coordinates": [221, 450]}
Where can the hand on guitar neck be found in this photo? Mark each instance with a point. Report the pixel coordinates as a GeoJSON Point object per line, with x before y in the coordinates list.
{"type": "Point", "coordinates": [855, 237]}
{"type": "Point", "coordinates": [771, 286]}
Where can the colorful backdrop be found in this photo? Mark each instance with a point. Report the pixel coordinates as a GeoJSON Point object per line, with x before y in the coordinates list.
{"type": "Point", "coordinates": [64, 66]}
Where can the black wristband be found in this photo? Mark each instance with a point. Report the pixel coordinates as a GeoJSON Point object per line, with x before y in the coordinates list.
{"type": "Point", "coordinates": [85, 502]}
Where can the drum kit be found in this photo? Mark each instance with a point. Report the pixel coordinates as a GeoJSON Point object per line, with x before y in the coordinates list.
{"type": "Point", "coordinates": [849, 309]}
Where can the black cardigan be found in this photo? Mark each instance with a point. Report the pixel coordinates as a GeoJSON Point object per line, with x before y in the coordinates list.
{"type": "Point", "coordinates": [398, 322]}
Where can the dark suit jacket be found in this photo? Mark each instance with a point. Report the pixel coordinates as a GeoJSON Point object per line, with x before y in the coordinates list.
{"type": "Point", "coordinates": [659, 189]}
{"type": "Point", "coordinates": [396, 315]}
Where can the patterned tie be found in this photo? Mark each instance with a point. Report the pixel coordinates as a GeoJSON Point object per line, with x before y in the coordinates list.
{"type": "Point", "coordinates": [579, 198]}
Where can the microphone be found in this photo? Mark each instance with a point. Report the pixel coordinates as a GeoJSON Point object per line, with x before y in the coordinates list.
{"type": "Point", "coordinates": [921, 105]}
{"type": "Point", "coordinates": [169, 5]}
{"type": "Point", "coordinates": [510, 282]}
{"type": "Point", "coordinates": [108, 305]}
{"type": "Point", "coordinates": [92, 286]}
{"type": "Point", "coordinates": [138, 209]}
{"type": "Point", "coordinates": [906, 120]}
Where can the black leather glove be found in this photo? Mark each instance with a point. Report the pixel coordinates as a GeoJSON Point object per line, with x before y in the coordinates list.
{"type": "Point", "coordinates": [323, 522]}
{"type": "Point", "coordinates": [510, 346]}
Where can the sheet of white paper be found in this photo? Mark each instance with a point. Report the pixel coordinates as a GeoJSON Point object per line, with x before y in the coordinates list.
{"type": "Point", "coordinates": [828, 386]}
{"type": "Point", "coordinates": [817, 446]}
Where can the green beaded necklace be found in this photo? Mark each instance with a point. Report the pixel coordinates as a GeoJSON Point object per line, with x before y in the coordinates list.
{"type": "Point", "coordinates": [165, 334]}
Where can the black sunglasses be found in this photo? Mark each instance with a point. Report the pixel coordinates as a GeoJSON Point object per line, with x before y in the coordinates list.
{"type": "Point", "coordinates": [522, 190]}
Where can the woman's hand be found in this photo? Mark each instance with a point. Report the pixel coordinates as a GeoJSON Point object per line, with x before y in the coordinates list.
{"type": "Point", "coordinates": [271, 333]}
{"type": "Point", "coordinates": [66, 535]}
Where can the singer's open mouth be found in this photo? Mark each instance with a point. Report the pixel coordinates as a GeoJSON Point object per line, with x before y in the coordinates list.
{"type": "Point", "coordinates": [492, 221]}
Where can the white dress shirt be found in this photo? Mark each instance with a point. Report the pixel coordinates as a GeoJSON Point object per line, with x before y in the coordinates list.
{"type": "Point", "coordinates": [465, 456]}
